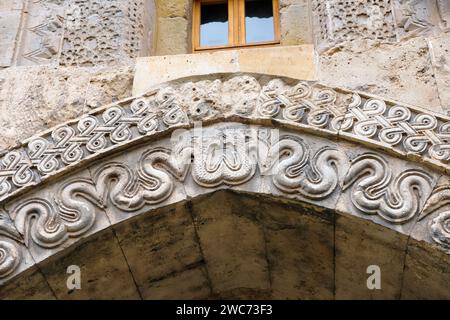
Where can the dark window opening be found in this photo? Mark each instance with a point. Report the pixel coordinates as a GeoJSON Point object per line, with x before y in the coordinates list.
{"type": "Point", "coordinates": [214, 24]}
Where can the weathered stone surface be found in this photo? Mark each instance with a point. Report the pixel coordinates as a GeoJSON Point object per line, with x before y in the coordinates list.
{"type": "Point", "coordinates": [41, 34]}
{"type": "Point", "coordinates": [190, 284]}
{"type": "Point", "coordinates": [402, 72]}
{"type": "Point", "coordinates": [415, 18]}
{"type": "Point", "coordinates": [202, 212]}
{"type": "Point", "coordinates": [31, 285]}
{"type": "Point", "coordinates": [173, 8]}
{"type": "Point", "coordinates": [104, 271]}
{"type": "Point", "coordinates": [162, 250]}
{"type": "Point", "coordinates": [360, 244]}
{"type": "Point", "coordinates": [426, 274]}
{"type": "Point", "coordinates": [341, 21]}
{"type": "Point", "coordinates": [241, 262]}
{"type": "Point", "coordinates": [295, 26]}
{"type": "Point", "coordinates": [177, 43]}
{"type": "Point", "coordinates": [79, 32]}
{"type": "Point", "coordinates": [35, 98]}
{"type": "Point", "coordinates": [298, 269]}
{"type": "Point", "coordinates": [9, 29]}
{"type": "Point", "coordinates": [274, 61]}
{"type": "Point", "coordinates": [440, 50]}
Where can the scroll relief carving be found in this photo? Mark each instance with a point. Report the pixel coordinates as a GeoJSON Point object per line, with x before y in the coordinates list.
{"type": "Point", "coordinates": [440, 225]}
{"type": "Point", "coordinates": [10, 254]}
{"type": "Point", "coordinates": [225, 157]}
{"type": "Point", "coordinates": [376, 190]}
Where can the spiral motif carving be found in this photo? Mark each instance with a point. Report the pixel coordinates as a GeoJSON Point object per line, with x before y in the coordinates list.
{"type": "Point", "coordinates": [9, 258]}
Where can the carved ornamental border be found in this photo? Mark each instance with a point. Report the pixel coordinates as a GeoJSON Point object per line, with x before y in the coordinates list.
{"type": "Point", "coordinates": [399, 129]}
{"type": "Point", "coordinates": [314, 167]}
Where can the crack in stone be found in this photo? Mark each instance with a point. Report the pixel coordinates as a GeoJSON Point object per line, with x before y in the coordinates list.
{"type": "Point", "coordinates": [197, 239]}
{"type": "Point", "coordinates": [128, 265]}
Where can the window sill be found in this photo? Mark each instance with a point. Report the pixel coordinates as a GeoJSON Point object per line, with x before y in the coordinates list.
{"type": "Point", "coordinates": [253, 45]}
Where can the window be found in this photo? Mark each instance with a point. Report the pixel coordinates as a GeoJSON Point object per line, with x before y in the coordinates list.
{"type": "Point", "coordinates": [234, 23]}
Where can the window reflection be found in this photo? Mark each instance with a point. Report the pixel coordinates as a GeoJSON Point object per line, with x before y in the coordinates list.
{"type": "Point", "coordinates": [259, 24]}
{"type": "Point", "coordinates": [214, 24]}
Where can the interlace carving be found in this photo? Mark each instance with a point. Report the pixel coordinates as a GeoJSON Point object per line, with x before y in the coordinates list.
{"type": "Point", "coordinates": [351, 115]}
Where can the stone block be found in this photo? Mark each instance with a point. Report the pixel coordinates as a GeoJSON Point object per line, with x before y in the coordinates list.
{"type": "Point", "coordinates": [440, 54]}
{"type": "Point", "coordinates": [295, 26]}
{"type": "Point", "coordinates": [190, 284]}
{"type": "Point", "coordinates": [177, 42]}
{"type": "Point", "coordinates": [30, 285]}
{"type": "Point", "coordinates": [360, 244]}
{"type": "Point", "coordinates": [293, 61]}
{"type": "Point", "coordinates": [103, 270]}
{"type": "Point", "coordinates": [241, 260]}
{"type": "Point", "coordinates": [161, 248]}
{"type": "Point", "coordinates": [299, 248]}
{"type": "Point", "coordinates": [173, 8]}
{"type": "Point", "coordinates": [402, 72]}
{"type": "Point", "coordinates": [9, 29]}
{"type": "Point", "coordinates": [427, 272]}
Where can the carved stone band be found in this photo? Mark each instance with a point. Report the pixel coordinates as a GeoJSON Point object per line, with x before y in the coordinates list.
{"type": "Point", "coordinates": [288, 153]}
{"type": "Point", "coordinates": [399, 129]}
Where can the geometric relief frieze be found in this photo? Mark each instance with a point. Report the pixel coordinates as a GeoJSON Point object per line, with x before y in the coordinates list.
{"type": "Point", "coordinates": [337, 21]}
{"type": "Point", "coordinates": [308, 160]}
{"type": "Point", "coordinates": [99, 31]}
{"type": "Point", "coordinates": [42, 32]}
{"type": "Point", "coordinates": [82, 32]}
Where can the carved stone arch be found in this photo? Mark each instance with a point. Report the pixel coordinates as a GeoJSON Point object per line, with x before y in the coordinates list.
{"type": "Point", "coordinates": [373, 170]}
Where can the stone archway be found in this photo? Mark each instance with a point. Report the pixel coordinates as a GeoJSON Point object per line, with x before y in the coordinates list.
{"type": "Point", "coordinates": [375, 171]}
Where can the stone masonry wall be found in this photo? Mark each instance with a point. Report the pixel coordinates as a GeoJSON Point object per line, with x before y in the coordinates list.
{"type": "Point", "coordinates": [60, 58]}
{"type": "Point", "coordinates": [394, 48]}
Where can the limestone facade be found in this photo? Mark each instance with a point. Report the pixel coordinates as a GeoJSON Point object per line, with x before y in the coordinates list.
{"type": "Point", "coordinates": [335, 141]}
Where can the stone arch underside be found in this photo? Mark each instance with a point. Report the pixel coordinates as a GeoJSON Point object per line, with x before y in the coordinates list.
{"type": "Point", "coordinates": [346, 158]}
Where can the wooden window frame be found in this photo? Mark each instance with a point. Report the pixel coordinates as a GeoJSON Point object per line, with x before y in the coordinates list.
{"type": "Point", "coordinates": [236, 25]}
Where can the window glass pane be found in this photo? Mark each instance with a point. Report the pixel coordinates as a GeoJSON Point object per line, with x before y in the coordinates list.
{"type": "Point", "coordinates": [259, 21]}
{"type": "Point", "coordinates": [214, 24]}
